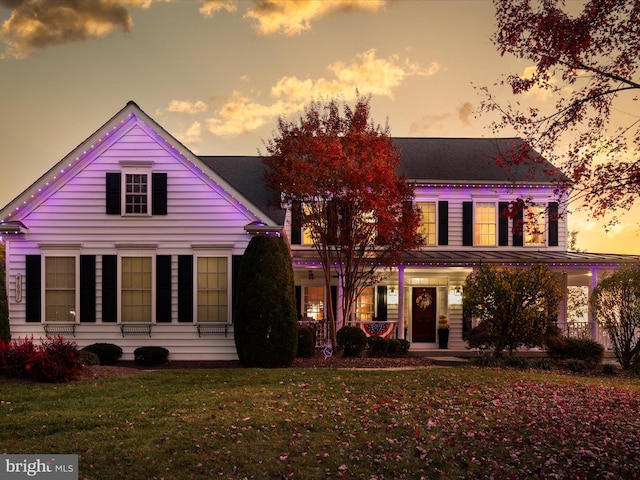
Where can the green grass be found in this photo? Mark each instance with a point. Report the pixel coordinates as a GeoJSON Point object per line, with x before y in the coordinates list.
{"type": "Point", "coordinates": [312, 424]}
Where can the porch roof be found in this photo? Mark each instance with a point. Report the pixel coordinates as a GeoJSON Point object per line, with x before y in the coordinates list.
{"type": "Point", "coordinates": [468, 258]}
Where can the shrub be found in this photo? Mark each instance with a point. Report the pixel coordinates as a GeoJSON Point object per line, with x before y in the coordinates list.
{"type": "Point", "coordinates": [404, 347]}
{"type": "Point", "coordinates": [378, 346]}
{"type": "Point", "coordinates": [479, 337]}
{"type": "Point", "coordinates": [265, 316]}
{"type": "Point", "coordinates": [150, 356]}
{"type": "Point", "coordinates": [89, 358]}
{"type": "Point", "coordinates": [486, 361]}
{"type": "Point", "coordinates": [351, 340]}
{"type": "Point", "coordinates": [517, 361]}
{"type": "Point", "coordinates": [108, 353]}
{"type": "Point", "coordinates": [54, 360]}
{"type": "Point", "coordinates": [576, 365]}
{"type": "Point", "coordinates": [585, 349]}
{"type": "Point", "coordinates": [306, 342]}
{"type": "Point", "coordinates": [608, 368]}
{"type": "Point", "coordinates": [543, 364]}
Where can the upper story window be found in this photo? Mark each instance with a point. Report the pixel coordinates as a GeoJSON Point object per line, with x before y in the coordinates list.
{"type": "Point", "coordinates": [535, 222]}
{"type": "Point", "coordinates": [428, 226]}
{"type": "Point", "coordinates": [485, 223]}
{"type": "Point", "coordinates": [136, 193]}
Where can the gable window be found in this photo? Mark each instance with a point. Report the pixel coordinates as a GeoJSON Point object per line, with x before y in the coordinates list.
{"type": "Point", "coordinates": [535, 225]}
{"type": "Point", "coordinates": [212, 281]}
{"type": "Point", "coordinates": [136, 289]}
{"type": "Point", "coordinates": [427, 222]}
{"type": "Point", "coordinates": [485, 223]}
{"type": "Point", "coordinates": [136, 197]}
{"type": "Point", "coordinates": [60, 289]}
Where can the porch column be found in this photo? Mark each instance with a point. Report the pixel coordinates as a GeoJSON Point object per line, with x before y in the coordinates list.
{"type": "Point", "coordinates": [400, 330]}
{"type": "Point", "coordinates": [593, 326]}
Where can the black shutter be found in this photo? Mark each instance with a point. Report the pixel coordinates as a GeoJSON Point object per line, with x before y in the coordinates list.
{"type": "Point", "coordinates": [296, 222]}
{"type": "Point", "coordinates": [163, 288]}
{"type": "Point", "coordinates": [158, 193]}
{"type": "Point", "coordinates": [553, 224]}
{"type": "Point", "coordinates": [236, 260]}
{"type": "Point", "coordinates": [87, 288]}
{"type": "Point", "coordinates": [382, 303]}
{"type": "Point", "coordinates": [334, 303]}
{"type": "Point", "coordinates": [109, 288]}
{"type": "Point", "coordinates": [33, 291]}
{"type": "Point", "coordinates": [503, 224]}
{"type": "Point", "coordinates": [518, 227]}
{"type": "Point", "coordinates": [467, 224]}
{"type": "Point", "coordinates": [299, 301]}
{"type": "Point", "coordinates": [443, 222]}
{"type": "Point", "coordinates": [185, 288]}
{"type": "Point", "coordinates": [113, 185]}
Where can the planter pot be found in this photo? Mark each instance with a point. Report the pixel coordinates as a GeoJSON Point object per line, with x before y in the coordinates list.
{"type": "Point", "coordinates": [443, 338]}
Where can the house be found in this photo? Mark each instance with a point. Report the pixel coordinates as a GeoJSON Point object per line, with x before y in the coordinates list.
{"type": "Point", "coordinates": [132, 239]}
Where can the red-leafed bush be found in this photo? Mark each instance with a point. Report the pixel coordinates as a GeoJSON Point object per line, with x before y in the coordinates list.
{"type": "Point", "coordinates": [53, 360]}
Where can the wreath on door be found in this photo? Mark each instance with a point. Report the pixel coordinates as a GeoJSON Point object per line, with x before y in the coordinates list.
{"type": "Point", "coordinates": [424, 300]}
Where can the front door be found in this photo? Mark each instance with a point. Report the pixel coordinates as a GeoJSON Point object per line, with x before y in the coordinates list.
{"type": "Point", "coordinates": [423, 315]}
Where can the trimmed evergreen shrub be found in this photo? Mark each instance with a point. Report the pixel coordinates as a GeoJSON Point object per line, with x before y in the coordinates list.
{"type": "Point", "coordinates": [404, 346]}
{"type": "Point", "coordinates": [89, 358]}
{"type": "Point", "coordinates": [265, 316]}
{"type": "Point", "coordinates": [576, 365]}
{"type": "Point", "coordinates": [378, 346]}
{"type": "Point", "coordinates": [590, 351]}
{"type": "Point", "coordinates": [543, 364]}
{"type": "Point", "coordinates": [609, 368]}
{"type": "Point", "coordinates": [108, 353]}
{"type": "Point", "coordinates": [150, 356]}
{"type": "Point", "coordinates": [306, 342]}
{"type": "Point", "coordinates": [517, 361]}
{"type": "Point", "coordinates": [351, 340]}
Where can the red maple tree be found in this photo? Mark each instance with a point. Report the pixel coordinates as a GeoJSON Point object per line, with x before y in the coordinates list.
{"type": "Point", "coordinates": [587, 63]}
{"type": "Point", "coordinates": [336, 169]}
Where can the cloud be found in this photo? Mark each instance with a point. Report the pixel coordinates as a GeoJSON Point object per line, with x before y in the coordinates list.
{"type": "Point", "coordinates": [214, 6]}
{"type": "Point", "coordinates": [294, 17]}
{"type": "Point", "coordinates": [181, 106]}
{"type": "Point", "coordinates": [465, 113]}
{"type": "Point", "coordinates": [191, 136]}
{"type": "Point", "coordinates": [367, 74]}
{"type": "Point", "coordinates": [424, 125]}
{"type": "Point", "coordinates": [37, 24]}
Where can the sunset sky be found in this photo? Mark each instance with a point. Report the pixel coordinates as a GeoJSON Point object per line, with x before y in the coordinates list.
{"type": "Point", "coordinates": [217, 74]}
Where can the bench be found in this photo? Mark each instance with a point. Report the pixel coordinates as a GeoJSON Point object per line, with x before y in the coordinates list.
{"type": "Point", "coordinates": [62, 329]}
{"type": "Point", "coordinates": [213, 329]}
{"type": "Point", "coordinates": [135, 329]}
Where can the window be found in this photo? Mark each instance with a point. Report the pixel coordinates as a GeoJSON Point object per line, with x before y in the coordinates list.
{"type": "Point", "coordinates": [365, 308]}
{"type": "Point", "coordinates": [212, 289]}
{"type": "Point", "coordinates": [314, 302]}
{"type": "Point", "coordinates": [60, 289]}
{"type": "Point", "coordinates": [136, 289]}
{"type": "Point", "coordinates": [427, 222]}
{"type": "Point", "coordinates": [535, 223]}
{"type": "Point", "coordinates": [136, 197]}
{"type": "Point", "coordinates": [485, 223]}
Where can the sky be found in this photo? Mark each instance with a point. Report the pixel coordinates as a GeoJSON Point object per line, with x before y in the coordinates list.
{"type": "Point", "coordinates": [217, 75]}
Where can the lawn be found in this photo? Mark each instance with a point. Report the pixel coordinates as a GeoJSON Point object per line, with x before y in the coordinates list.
{"type": "Point", "coordinates": [430, 423]}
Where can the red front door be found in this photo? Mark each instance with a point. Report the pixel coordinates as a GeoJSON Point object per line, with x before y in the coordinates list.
{"type": "Point", "coordinates": [423, 315]}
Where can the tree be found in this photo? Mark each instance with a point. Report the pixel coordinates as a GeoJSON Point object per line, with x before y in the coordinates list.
{"type": "Point", "coordinates": [265, 318]}
{"type": "Point", "coordinates": [616, 305]}
{"type": "Point", "coordinates": [588, 63]}
{"type": "Point", "coordinates": [5, 334]}
{"type": "Point", "coordinates": [515, 306]}
{"type": "Point", "coordinates": [337, 172]}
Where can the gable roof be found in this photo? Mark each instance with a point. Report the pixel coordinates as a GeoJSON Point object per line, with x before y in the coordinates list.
{"type": "Point", "coordinates": [246, 174]}
{"type": "Point", "coordinates": [461, 160]}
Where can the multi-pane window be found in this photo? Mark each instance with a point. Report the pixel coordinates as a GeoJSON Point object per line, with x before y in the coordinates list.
{"type": "Point", "coordinates": [136, 197]}
{"type": "Point", "coordinates": [485, 223]}
{"type": "Point", "coordinates": [314, 302]}
{"type": "Point", "coordinates": [60, 289]}
{"type": "Point", "coordinates": [534, 225]}
{"type": "Point", "coordinates": [365, 308]}
{"type": "Point", "coordinates": [427, 222]}
{"type": "Point", "coordinates": [212, 289]}
{"type": "Point", "coordinates": [136, 289]}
